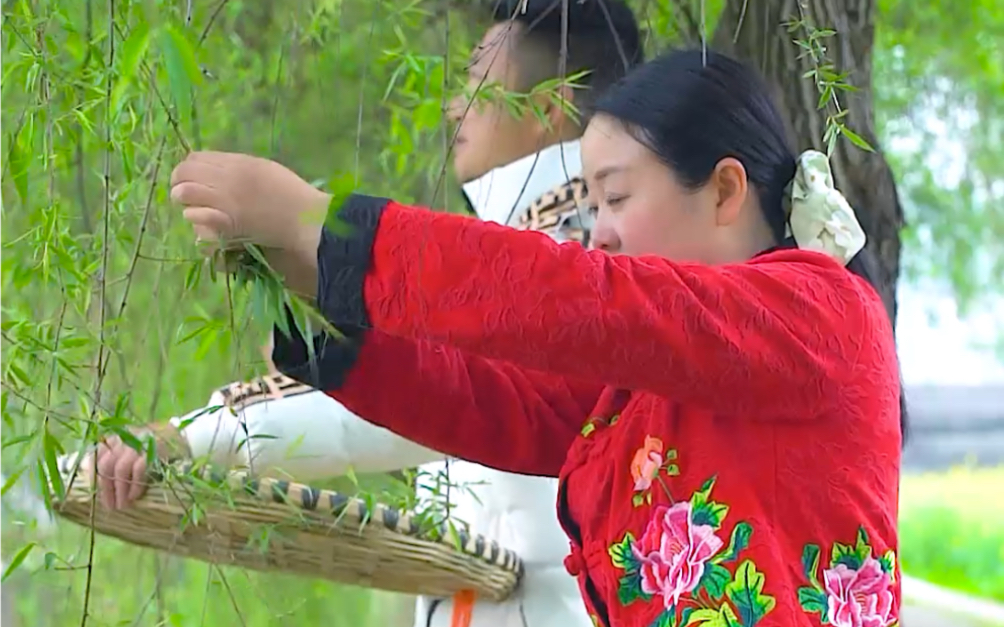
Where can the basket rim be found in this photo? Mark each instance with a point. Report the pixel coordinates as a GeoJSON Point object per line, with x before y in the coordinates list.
{"type": "Point", "coordinates": [344, 509]}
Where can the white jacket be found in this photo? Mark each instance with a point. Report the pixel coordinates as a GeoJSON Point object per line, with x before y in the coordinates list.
{"type": "Point", "coordinates": [312, 437]}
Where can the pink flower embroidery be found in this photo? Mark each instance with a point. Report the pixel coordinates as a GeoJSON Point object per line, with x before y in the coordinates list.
{"type": "Point", "coordinates": [859, 598]}
{"type": "Point", "coordinates": [673, 551]}
{"type": "Point", "coordinates": [646, 463]}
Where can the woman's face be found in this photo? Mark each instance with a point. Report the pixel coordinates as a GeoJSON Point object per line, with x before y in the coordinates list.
{"type": "Point", "coordinates": [644, 210]}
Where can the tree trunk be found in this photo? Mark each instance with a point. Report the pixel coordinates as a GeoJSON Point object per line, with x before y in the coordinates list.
{"type": "Point", "coordinates": [754, 31]}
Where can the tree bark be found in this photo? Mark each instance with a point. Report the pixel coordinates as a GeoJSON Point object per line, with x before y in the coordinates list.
{"type": "Point", "coordinates": [754, 31]}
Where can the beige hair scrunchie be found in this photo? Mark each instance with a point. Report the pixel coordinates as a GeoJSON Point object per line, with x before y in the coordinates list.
{"type": "Point", "coordinates": [819, 217]}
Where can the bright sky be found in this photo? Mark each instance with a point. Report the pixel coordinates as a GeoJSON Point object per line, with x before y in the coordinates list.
{"type": "Point", "coordinates": [937, 347]}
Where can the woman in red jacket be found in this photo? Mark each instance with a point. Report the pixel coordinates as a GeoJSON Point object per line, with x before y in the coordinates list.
{"type": "Point", "coordinates": [717, 387]}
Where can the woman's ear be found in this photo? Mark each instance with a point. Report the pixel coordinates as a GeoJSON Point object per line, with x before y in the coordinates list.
{"type": "Point", "coordinates": [732, 187]}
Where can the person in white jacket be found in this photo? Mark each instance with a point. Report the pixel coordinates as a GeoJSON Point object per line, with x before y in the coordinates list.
{"type": "Point", "coordinates": [518, 171]}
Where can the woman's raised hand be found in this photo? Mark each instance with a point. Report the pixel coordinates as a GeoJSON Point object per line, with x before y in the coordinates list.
{"type": "Point", "coordinates": [232, 198]}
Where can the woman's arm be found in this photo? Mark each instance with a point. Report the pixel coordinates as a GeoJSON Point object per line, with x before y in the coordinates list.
{"type": "Point", "coordinates": [488, 412]}
{"type": "Point", "coordinates": [305, 435]}
{"type": "Point", "coordinates": [777, 336]}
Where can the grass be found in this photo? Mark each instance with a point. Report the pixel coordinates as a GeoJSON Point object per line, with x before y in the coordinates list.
{"type": "Point", "coordinates": [952, 529]}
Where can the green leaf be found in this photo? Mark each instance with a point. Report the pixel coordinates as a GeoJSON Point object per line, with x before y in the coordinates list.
{"type": "Point", "coordinates": [129, 438]}
{"type": "Point", "coordinates": [856, 139]}
{"type": "Point", "coordinates": [862, 545]}
{"type": "Point", "coordinates": [629, 588]}
{"type": "Point", "coordinates": [638, 499]}
{"type": "Point", "coordinates": [810, 563]}
{"type": "Point", "coordinates": [831, 143]}
{"type": "Point", "coordinates": [685, 616]}
{"type": "Point", "coordinates": [709, 617]}
{"type": "Point", "coordinates": [129, 58]}
{"type": "Point", "coordinates": [706, 487]}
{"type": "Point", "coordinates": [666, 619]}
{"type": "Point", "coordinates": [427, 115]}
{"type": "Point", "coordinates": [813, 600]}
{"type": "Point", "coordinates": [51, 450]}
{"type": "Point", "coordinates": [703, 510]}
{"type": "Point", "coordinates": [182, 68]}
{"type": "Point", "coordinates": [19, 160]}
{"type": "Point", "coordinates": [16, 561]}
{"type": "Point", "coordinates": [846, 555]}
{"type": "Point", "coordinates": [714, 580]}
{"type": "Point", "coordinates": [11, 480]}
{"type": "Point", "coordinates": [740, 539]}
{"type": "Point", "coordinates": [746, 593]}
{"type": "Point", "coordinates": [888, 563]}
{"type": "Point", "coordinates": [699, 617]}
{"type": "Point", "coordinates": [709, 513]}
{"type": "Point", "coordinates": [621, 555]}
{"type": "Point", "coordinates": [340, 186]}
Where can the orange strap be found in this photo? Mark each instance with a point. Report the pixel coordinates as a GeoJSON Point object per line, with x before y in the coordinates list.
{"type": "Point", "coordinates": [463, 607]}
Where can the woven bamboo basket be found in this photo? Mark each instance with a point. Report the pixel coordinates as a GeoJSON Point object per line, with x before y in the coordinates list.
{"type": "Point", "coordinates": [273, 525]}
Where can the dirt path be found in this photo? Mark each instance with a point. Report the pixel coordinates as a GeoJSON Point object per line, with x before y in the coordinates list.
{"type": "Point", "coordinates": [927, 605]}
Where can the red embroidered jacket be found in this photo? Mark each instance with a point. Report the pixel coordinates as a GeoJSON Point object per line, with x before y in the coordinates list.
{"type": "Point", "coordinates": [727, 438]}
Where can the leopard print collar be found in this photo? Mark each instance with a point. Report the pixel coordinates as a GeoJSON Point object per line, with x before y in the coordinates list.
{"type": "Point", "coordinates": [561, 213]}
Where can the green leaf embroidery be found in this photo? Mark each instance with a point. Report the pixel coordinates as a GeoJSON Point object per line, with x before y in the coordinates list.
{"type": "Point", "coordinates": [666, 619]}
{"type": "Point", "coordinates": [709, 513]}
{"type": "Point", "coordinates": [714, 580]}
{"type": "Point", "coordinates": [613, 420]}
{"type": "Point", "coordinates": [846, 555]}
{"type": "Point", "coordinates": [707, 617]}
{"type": "Point", "coordinates": [638, 499]}
{"type": "Point", "coordinates": [746, 593]}
{"type": "Point", "coordinates": [621, 555]}
{"type": "Point", "coordinates": [862, 546]}
{"type": "Point", "coordinates": [888, 563]}
{"type": "Point", "coordinates": [737, 543]}
{"type": "Point", "coordinates": [630, 590]}
{"type": "Point", "coordinates": [704, 511]}
{"type": "Point", "coordinates": [810, 563]}
{"type": "Point", "coordinates": [685, 616]}
{"type": "Point", "coordinates": [813, 600]}
{"type": "Point", "coordinates": [588, 428]}
{"type": "Point", "coordinates": [705, 491]}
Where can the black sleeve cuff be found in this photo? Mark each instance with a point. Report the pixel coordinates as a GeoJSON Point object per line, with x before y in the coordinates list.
{"type": "Point", "coordinates": [333, 357]}
{"type": "Point", "coordinates": [343, 259]}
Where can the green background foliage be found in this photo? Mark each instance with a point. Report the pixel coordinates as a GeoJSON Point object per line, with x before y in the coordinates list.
{"type": "Point", "coordinates": [110, 318]}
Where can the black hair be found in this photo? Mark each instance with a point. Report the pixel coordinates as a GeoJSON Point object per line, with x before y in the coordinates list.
{"type": "Point", "coordinates": [693, 108]}
{"type": "Point", "coordinates": [601, 38]}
